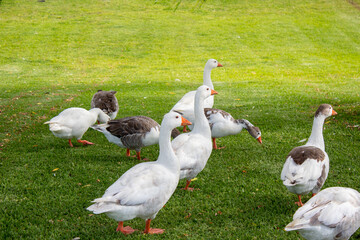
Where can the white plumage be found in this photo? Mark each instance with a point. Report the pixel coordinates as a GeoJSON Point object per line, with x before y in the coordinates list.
{"type": "Point", "coordinates": [186, 104]}
{"type": "Point", "coordinates": [74, 122]}
{"type": "Point", "coordinates": [193, 149]}
{"type": "Point", "coordinates": [144, 189]}
{"type": "Point", "coordinates": [334, 213]}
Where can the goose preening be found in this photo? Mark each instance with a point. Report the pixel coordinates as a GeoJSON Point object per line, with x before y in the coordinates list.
{"type": "Point", "coordinates": [186, 104]}
{"type": "Point", "coordinates": [334, 213]}
{"type": "Point", "coordinates": [307, 167]}
{"type": "Point", "coordinates": [74, 122]}
{"type": "Point", "coordinates": [133, 133]}
{"type": "Point", "coordinates": [144, 189]}
{"type": "Point", "coordinates": [193, 149]}
{"type": "Point", "coordinates": [106, 101]}
{"type": "Point", "coordinates": [223, 124]}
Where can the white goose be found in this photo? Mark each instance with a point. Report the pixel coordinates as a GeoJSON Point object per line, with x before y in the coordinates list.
{"type": "Point", "coordinates": [133, 132]}
{"type": "Point", "coordinates": [193, 149]}
{"type": "Point", "coordinates": [334, 213]}
{"type": "Point", "coordinates": [186, 104]}
{"type": "Point", "coordinates": [223, 124]}
{"type": "Point", "coordinates": [144, 189]}
{"type": "Point", "coordinates": [74, 122]}
{"type": "Point", "coordinates": [106, 101]}
{"type": "Point", "coordinates": [307, 167]}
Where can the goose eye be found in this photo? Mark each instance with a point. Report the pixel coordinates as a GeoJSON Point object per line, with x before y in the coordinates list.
{"type": "Point", "coordinates": [208, 89]}
{"type": "Point", "coordinates": [177, 116]}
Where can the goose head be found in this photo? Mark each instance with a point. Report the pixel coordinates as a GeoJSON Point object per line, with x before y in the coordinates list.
{"type": "Point", "coordinates": [174, 119]}
{"type": "Point", "coordinates": [101, 116]}
{"type": "Point", "coordinates": [212, 63]}
{"type": "Point", "coordinates": [205, 91]}
{"type": "Point", "coordinates": [325, 110]}
{"type": "Point", "coordinates": [255, 132]}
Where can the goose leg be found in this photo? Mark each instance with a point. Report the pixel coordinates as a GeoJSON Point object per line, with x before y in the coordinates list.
{"type": "Point", "coordinates": [299, 203]}
{"type": "Point", "coordinates": [84, 142]}
{"type": "Point", "coordinates": [184, 129]}
{"type": "Point", "coordinates": [128, 152]}
{"type": "Point", "coordinates": [70, 143]}
{"type": "Point", "coordinates": [187, 186]}
{"type": "Point", "coordinates": [214, 144]}
{"type": "Point", "coordinates": [152, 230]}
{"type": "Point", "coordinates": [124, 230]}
{"type": "Point", "coordinates": [139, 158]}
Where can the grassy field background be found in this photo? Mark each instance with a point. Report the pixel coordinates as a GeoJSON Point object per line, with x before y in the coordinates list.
{"type": "Point", "coordinates": [281, 59]}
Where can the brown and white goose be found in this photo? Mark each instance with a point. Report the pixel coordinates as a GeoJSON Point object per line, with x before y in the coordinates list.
{"type": "Point", "coordinates": [334, 213]}
{"type": "Point", "coordinates": [133, 133]}
{"type": "Point", "coordinates": [106, 101]}
{"type": "Point", "coordinates": [306, 167]}
{"type": "Point", "coordinates": [223, 124]}
{"type": "Point", "coordinates": [186, 104]}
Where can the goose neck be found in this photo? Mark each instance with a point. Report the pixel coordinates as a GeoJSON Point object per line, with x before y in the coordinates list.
{"type": "Point", "coordinates": [207, 77]}
{"type": "Point", "coordinates": [316, 138]}
{"type": "Point", "coordinates": [167, 156]}
{"type": "Point", "coordinates": [201, 122]}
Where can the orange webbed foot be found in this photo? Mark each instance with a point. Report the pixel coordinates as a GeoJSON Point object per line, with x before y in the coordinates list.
{"type": "Point", "coordinates": [155, 231]}
{"type": "Point", "coordinates": [84, 142]}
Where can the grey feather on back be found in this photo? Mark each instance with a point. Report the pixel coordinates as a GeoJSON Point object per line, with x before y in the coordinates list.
{"type": "Point", "coordinates": [131, 130]}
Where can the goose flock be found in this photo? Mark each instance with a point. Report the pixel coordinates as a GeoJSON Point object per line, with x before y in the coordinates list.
{"type": "Point", "coordinates": [143, 190]}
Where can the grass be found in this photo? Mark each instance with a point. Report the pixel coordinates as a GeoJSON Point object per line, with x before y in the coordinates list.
{"type": "Point", "coordinates": [281, 60]}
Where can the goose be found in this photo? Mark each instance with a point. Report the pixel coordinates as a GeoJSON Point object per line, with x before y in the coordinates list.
{"type": "Point", "coordinates": [334, 213]}
{"type": "Point", "coordinates": [144, 189]}
{"type": "Point", "coordinates": [133, 132]}
{"type": "Point", "coordinates": [106, 101]}
{"type": "Point", "coordinates": [186, 104]}
{"type": "Point", "coordinates": [193, 149]}
{"type": "Point", "coordinates": [223, 124]}
{"type": "Point", "coordinates": [306, 167]}
{"type": "Point", "coordinates": [74, 122]}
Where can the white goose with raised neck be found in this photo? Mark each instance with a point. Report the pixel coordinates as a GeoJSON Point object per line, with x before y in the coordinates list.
{"type": "Point", "coordinates": [201, 123]}
{"type": "Point", "coordinates": [167, 156]}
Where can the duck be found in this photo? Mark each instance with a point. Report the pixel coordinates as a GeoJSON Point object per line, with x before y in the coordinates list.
{"type": "Point", "coordinates": [334, 213]}
{"type": "Point", "coordinates": [223, 124]}
{"type": "Point", "coordinates": [193, 149]}
{"type": "Point", "coordinates": [306, 167]}
{"type": "Point", "coordinates": [186, 104]}
{"type": "Point", "coordinates": [146, 187]}
{"type": "Point", "coordinates": [132, 133]}
{"type": "Point", "coordinates": [74, 122]}
{"type": "Point", "coordinates": [106, 101]}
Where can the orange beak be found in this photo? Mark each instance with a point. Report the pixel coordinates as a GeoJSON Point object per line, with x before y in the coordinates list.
{"type": "Point", "coordinates": [185, 122]}
{"type": "Point", "coordinates": [259, 140]}
{"type": "Point", "coordinates": [333, 112]}
{"type": "Point", "coordinates": [219, 65]}
{"type": "Point", "coordinates": [213, 92]}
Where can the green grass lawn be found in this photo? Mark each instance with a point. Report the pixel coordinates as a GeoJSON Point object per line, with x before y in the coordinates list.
{"type": "Point", "coordinates": [281, 60]}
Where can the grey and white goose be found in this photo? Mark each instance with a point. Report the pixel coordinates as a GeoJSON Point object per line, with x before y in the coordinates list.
{"type": "Point", "coordinates": [107, 102]}
{"type": "Point", "coordinates": [223, 124]}
{"type": "Point", "coordinates": [306, 167]}
{"type": "Point", "coordinates": [334, 213]}
{"type": "Point", "coordinates": [132, 133]}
